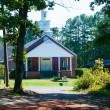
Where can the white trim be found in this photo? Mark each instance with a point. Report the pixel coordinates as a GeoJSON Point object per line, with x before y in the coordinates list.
{"type": "Point", "coordinates": [58, 63]}
{"type": "Point", "coordinates": [39, 63]}
{"type": "Point", "coordinates": [10, 56]}
{"type": "Point", "coordinates": [71, 66]}
{"type": "Point", "coordinates": [51, 63]}
{"type": "Point", "coordinates": [67, 63]}
{"type": "Point", "coordinates": [10, 59]}
{"type": "Point", "coordinates": [26, 65]}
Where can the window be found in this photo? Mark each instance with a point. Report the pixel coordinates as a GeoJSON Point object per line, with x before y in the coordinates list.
{"type": "Point", "coordinates": [45, 14]}
{"type": "Point", "coordinates": [62, 62]}
{"type": "Point", "coordinates": [29, 62]}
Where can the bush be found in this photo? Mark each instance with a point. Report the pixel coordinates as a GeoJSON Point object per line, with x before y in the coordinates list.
{"type": "Point", "coordinates": [96, 76]}
{"type": "Point", "coordinates": [54, 79]}
{"type": "Point", "coordinates": [12, 74]}
{"type": "Point", "coordinates": [79, 71]}
{"type": "Point", "coordinates": [107, 86]}
{"type": "Point", "coordinates": [85, 81]}
{"type": "Point", "coordinates": [1, 71]}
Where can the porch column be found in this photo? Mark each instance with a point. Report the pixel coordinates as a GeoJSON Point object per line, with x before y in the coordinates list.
{"type": "Point", "coordinates": [39, 64]}
{"type": "Point", "coordinates": [59, 76]}
{"type": "Point", "coordinates": [67, 63]}
{"type": "Point", "coordinates": [71, 66]}
{"type": "Point", "coordinates": [58, 63]}
{"type": "Point", "coordinates": [26, 65]}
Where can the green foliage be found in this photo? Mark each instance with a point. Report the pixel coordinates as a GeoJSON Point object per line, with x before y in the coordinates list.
{"type": "Point", "coordinates": [96, 76]}
{"type": "Point", "coordinates": [107, 86]}
{"type": "Point", "coordinates": [1, 41]}
{"type": "Point", "coordinates": [54, 79]}
{"type": "Point", "coordinates": [56, 32]}
{"type": "Point", "coordinates": [103, 32]}
{"type": "Point", "coordinates": [1, 71]}
{"type": "Point", "coordinates": [12, 74]}
{"type": "Point", "coordinates": [79, 71]}
{"type": "Point", "coordinates": [100, 73]}
{"type": "Point", "coordinates": [85, 81]}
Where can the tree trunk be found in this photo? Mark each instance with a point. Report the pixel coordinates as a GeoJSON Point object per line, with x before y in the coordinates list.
{"type": "Point", "coordinates": [6, 60]}
{"type": "Point", "coordinates": [20, 50]}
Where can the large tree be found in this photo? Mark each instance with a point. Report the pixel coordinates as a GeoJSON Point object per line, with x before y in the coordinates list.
{"type": "Point", "coordinates": [103, 28]}
{"type": "Point", "coordinates": [21, 9]}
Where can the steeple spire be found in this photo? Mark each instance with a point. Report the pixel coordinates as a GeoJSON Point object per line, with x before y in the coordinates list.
{"type": "Point", "coordinates": [44, 24]}
{"type": "Point", "coordinates": [43, 15]}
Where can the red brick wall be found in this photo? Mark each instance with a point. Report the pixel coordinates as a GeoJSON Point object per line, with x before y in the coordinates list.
{"type": "Point", "coordinates": [74, 64]}
{"type": "Point", "coordinates": [66, 73]}
{"type": "Point", "coordinates": [33, 75]}
{"type": "Point", "coordinates": [34, 64]}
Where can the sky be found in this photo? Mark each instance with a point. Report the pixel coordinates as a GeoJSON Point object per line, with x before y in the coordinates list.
{"type": "Point", "coordinates": [60, 15]}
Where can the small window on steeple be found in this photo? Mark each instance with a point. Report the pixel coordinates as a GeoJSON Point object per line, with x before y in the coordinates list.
{"type": "Point", "coordinates": [45, 14]}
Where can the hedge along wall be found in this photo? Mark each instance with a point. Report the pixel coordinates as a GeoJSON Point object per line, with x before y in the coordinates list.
{"type": "Point", "coordinates": [1, 70]}
{"type": "Point", "coordinates": [79, 71]}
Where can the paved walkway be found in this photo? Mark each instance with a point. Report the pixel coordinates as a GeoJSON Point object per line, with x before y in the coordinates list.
{"type": "Point", "coordinates": [49, 89]}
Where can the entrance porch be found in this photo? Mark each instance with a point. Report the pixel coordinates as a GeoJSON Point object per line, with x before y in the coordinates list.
{"type": "Point", "coordinates": [46, 67]}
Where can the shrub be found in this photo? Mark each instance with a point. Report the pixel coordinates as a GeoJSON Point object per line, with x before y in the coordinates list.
{"type": "Point", "coordinates": [12, 74]}
{"type": "Point", "coordinates": [79, 71]}
{"type": "Point", "coordinates": [85, 81]}
{"type": "Point", "coordinates": [54, 79]}
{"type": "Point", "coordinates": [101, 73]}
{"type": "Point", "coordinates": [107, 86]}
{"type": "Point", "coordinates": [96, 76]}
{"type": "Point", "coordinates": [1, 70]}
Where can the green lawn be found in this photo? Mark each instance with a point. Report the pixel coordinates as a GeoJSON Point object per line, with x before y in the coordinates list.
{"type": "Point", "coordinates": [43, 82]}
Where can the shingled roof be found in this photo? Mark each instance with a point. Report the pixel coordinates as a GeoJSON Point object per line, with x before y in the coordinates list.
{"type": "Point", "coordinates": [9, 51]}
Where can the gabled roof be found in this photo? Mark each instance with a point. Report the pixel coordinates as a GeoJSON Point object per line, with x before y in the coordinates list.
{"type": "Point", "coordinates": [9, 52]}
{"type": "Point", "coordinates": [40, 41]}
{"type": "Point", "coordinates": [30, 43]}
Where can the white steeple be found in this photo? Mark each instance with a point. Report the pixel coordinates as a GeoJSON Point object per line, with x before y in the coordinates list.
{"type": "Point", "coordinates": [43, 15]}
{"type": "Point", "coordinates": [45, 24]}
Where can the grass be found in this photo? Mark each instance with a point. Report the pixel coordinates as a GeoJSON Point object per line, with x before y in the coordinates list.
{"type": "Point", "coordinates": [43, 82]}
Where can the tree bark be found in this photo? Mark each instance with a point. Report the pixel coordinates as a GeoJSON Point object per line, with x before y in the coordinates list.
{"type": "Point", "coordinates": [6, 60]}
{"type": "Point", "coordinates": [20, 50]}
{"type": "Point", "coordinates": [6, 72]}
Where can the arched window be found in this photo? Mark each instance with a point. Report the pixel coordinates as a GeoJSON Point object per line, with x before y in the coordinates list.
{"type": "Point", "coordinates": [63, 62]}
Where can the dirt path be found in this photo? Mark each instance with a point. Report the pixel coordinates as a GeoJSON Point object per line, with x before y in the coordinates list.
{"type": "Point", "coordinates": [55, 101]}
